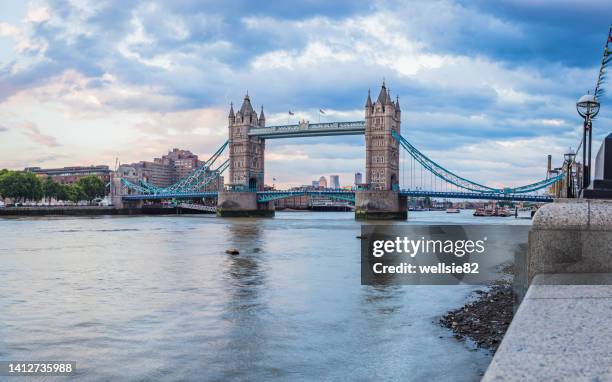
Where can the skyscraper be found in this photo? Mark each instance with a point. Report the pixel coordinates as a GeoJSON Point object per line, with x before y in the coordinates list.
{"type": "Point", "coordinates": [334, 181]}
{"type": "Point", "coordinates": [322, 182]}
{"type": "Point", "coordinates": [358, 178]}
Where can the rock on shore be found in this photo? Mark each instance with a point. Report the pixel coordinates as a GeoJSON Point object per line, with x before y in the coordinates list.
{"type": "Point", "coordinates": [486, 319]}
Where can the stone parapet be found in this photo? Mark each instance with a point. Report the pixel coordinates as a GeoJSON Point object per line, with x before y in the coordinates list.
{"type": "Point", "coordinates": [571, 236]}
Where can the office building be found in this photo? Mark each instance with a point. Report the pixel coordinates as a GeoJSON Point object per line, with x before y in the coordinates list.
{"type": "Point", "coordinates": [334, 181]}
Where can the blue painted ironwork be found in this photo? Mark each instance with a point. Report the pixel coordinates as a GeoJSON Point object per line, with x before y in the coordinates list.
{"type": "Point", "coordinates": [196, 180]}
{"type": "Point", "coordinates": [477, 195]}
{"type": "Point", "coordinates": [266, 196]}
{"type": "Point", "coordinates": [306, 129]}
{"type": "Point", "coordinates": [452, 178]}
{"type": "Point", "coordinates": [185, 195]}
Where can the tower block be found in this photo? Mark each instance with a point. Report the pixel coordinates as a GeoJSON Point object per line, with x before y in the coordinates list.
{"type": "Point", "coordinates": [246, 165]}
{"type": "Point", "coordinates": [381, 200]}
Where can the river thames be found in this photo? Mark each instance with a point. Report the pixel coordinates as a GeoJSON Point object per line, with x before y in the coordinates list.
{"type": "Point", "coordinates": [156, 298]}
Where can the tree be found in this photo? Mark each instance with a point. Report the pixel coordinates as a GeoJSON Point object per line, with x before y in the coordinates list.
{"type": "Point", "coordinates": [51, 189]}
{"type": "Point", "coordinates": [11, 185]}
{"type": "Point", "coordinates": [73, 193]}
{"type": "Point", "coordinates": [3, 183]}
{"type": "Point", "coordinates": [20, 185]}
{"type": "Point", "coordinates": [32, 186]}
{"type": "Point", "coordinates": [91, 186]}
{"type": "Point", "coordinates": [63, 192]}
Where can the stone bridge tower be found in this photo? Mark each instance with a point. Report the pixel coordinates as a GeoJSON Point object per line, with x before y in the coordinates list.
{"type": "Point", "coordinates": [382, 150]}
{"type": "Point", "coordinates": [381, 199]}
{"type": "Point", "coordinates": [246, 154]}
{"type": "Point", "coordinates": [246, 169]}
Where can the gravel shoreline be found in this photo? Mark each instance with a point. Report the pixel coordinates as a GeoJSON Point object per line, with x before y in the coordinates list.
{"type": "Point", "coordinates": [485, 318]}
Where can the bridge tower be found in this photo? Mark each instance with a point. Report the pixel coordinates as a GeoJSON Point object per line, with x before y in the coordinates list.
{"type": "Point", "coordinates": [382, 150]}
{"type": "Point", "coordinates": [246, 154]}
{"type": "Point", "coordinates": [246, 165]}
{"type": "Point", "coordinates": [381, 199]}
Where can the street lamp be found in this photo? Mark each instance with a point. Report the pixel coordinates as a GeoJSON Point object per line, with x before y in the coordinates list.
{"type": "Point", "coordinates": [588, 107]}
{"type": "Point", "coordinates": [569, 159]}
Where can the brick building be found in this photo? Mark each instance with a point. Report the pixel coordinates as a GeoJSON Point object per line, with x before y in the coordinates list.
{"type": "Point", "coordinates": [70, 175]}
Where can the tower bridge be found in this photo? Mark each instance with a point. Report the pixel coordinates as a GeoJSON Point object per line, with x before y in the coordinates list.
{"type": "Point", "coordinates": [381, 198]}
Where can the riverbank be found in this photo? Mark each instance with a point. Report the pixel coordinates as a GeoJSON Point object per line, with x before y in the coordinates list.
{"type": "Point", "coordinates": [486, 317]}
{"type": "Point", "coordinates": [94, 211]}
{"type": "Point", "coordinates": [485, 320]}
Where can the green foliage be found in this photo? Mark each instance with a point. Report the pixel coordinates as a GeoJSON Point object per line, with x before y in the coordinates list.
{"type": "Point", "coordinates": [20, 185]}
{"type": "Point", "coordinates": [23, 186]}
{"type": "Point", "coordinates": [74, 193]}
{"type": "Point", "coordinates": [51, 189]}
{"type": "Point", "coordinates": [91, 187]}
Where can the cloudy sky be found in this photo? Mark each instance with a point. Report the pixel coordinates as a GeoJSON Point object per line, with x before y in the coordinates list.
{"type": "Point", "coordinates": [487, 88]}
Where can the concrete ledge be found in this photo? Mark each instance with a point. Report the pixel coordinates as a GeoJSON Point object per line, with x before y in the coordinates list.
{"type": "Point", "coordinates": [571, 236]}
{"type": "Point", "coordinates": [561, 332]}
{"type": "Point", "coordinates": [575, 214]}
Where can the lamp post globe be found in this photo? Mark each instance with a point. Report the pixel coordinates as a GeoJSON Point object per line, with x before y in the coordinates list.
{"type": "Point", "coordinates": [587, 106]}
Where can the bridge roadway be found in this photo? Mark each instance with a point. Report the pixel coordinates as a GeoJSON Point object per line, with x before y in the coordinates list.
{"type": "Point", "coordinates": [306, 129]}
{"type": "Point", "coordinates": [266, 196]}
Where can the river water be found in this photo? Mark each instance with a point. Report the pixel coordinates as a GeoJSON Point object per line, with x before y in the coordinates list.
{"type": "Point", "coordinates": [156, 298]}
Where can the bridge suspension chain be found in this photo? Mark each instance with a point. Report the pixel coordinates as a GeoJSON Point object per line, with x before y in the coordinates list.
{"type": "Point", "coordinates": [460, 182]}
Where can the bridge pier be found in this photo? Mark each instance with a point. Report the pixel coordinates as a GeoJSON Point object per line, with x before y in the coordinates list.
{"type": "Point", "coordinates": [380, 205]}
{"type": "Point", "coordinates": [242, 204]}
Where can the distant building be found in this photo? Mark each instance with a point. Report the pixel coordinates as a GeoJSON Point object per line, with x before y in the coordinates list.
{"type": "Point", "coordinates": [184, 162]}
{"type": "Point", "coordinates": [70, 175]}
{"type": "Point", "coordinates": [358, 178]}
{"type": "Point", "coordinates": [315, 183]}
{"type": "Point", "coordinates": [156, 173]}
{"type": "Point", "coordinates": [322, 182]}
{"type": "Point", "coordinates": [334, 181]}
{"type": "Point", "coordinates": [167, 170]}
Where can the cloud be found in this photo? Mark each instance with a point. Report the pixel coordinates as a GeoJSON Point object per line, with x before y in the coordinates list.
{"type": "Point", "coordinates": [156, 75]}
{"type": "Point", "coordinates": [37, 14]}
{"type": "Point", "coordinates": [7, 30]}
{"type": "Point", "coordinates": [3, 129]}
{"type": "Point", "coordinates": [33, 132]}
